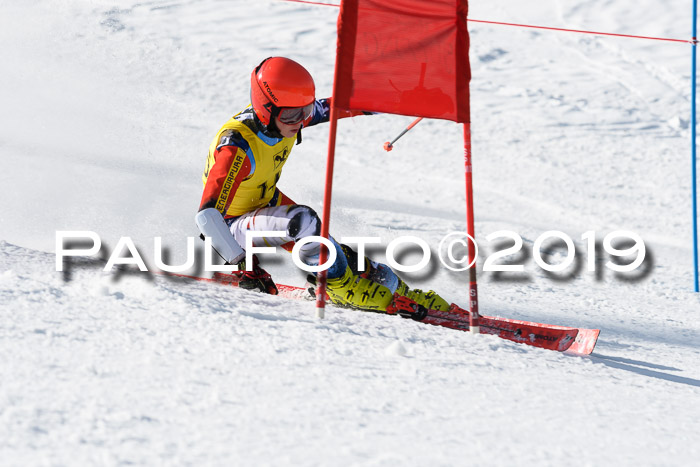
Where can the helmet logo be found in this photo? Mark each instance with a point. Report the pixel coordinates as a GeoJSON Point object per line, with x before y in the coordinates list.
{"type": "Point", "coordinates": [269, 91]}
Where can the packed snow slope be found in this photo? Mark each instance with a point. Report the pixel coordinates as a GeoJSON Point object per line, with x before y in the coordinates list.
{"type": "Point", "coordinates": [107, 112]}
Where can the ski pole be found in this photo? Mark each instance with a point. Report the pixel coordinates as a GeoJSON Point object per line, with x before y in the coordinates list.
{"type": "Point", "coordinates": [389, 146]}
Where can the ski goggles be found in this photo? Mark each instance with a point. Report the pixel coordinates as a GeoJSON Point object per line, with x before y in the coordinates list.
{"type": "Point", "coordinates": [294, 115]}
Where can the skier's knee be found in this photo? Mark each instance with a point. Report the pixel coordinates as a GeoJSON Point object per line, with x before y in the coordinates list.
{"type": "Point", "coordinates": [304, 223]}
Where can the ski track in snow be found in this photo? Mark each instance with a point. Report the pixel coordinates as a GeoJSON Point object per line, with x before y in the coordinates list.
{"type": "Point", "coordinates": [108, 112]}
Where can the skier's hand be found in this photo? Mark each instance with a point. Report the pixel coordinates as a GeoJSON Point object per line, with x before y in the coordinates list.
{"type": "Point", "coordinates": [256, 279]}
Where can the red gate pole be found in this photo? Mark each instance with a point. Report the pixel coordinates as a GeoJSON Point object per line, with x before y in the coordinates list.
{"type": "Point", "coordinates": [473, 297]}
{"type": "Point", "coordinates": [326, 217]}
{"type": "Point", "coordinates": [327, 192]}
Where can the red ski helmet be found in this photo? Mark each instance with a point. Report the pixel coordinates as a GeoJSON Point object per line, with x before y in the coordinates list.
{"type": "Point", "coordinates": [281, 87]}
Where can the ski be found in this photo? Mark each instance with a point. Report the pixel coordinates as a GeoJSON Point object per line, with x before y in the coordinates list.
{"type": "Point", "coordinates": [577, 341]}
{"type": "Point", "coordinates": [547, 336]}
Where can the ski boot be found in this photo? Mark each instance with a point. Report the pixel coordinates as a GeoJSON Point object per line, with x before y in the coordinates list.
{"type": "Point", "coordinates": [414, 304]}
{"type": "Point", "coordinates": [430, 299]}
{"type": "Point", "coordinates": [383, 275]}
{"type": "Point", "coordinates": [355, 291]}
{"type": "Point", "coordinates": [358, 292]}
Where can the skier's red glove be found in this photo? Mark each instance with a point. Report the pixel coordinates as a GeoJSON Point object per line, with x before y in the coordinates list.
{"type": "Point", "coordinates": [257, 279]}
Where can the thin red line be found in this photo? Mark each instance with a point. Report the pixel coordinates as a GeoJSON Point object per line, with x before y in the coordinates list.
{"type": "Point", "coordinates": [692, 41]}
{"type": "Point", "coordinates": [579, 31]}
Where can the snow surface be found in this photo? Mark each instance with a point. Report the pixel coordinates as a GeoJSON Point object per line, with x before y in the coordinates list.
{"type": "Point", "coordinates": [107, 112]}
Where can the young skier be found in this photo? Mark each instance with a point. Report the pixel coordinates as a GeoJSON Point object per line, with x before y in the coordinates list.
{"type": "Point", "coordinates": [243, 167]}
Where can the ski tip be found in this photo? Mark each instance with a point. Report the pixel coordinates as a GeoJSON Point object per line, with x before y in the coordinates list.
{"type": "Point", "coordinates": [585, 342]}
